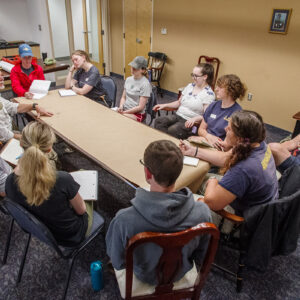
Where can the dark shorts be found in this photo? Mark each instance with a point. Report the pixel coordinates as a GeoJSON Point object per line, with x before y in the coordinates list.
{"type": "Point", "coordinates": [289, 162]}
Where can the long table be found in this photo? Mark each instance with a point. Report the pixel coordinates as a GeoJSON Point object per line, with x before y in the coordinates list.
{"type": "Point", "coordinates": [110, 139]}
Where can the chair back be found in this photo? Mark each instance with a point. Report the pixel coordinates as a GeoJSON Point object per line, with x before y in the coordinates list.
{"type": "Point", "coordinates": [156, 63]}
{"type": "Point", "coordinates": [30, 224]}
{"type": "Point", "coordinates": [152, 101]}
{"type": "Point", "coordinates": [215, 62]}
{"type": "Point", "coordinates": [170, 261]}
{"type": "Point", "coordinates": [110, 88]}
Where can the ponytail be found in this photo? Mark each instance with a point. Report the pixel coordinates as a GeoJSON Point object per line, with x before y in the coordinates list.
{"type": "Point", "coordinates": [37, 175]}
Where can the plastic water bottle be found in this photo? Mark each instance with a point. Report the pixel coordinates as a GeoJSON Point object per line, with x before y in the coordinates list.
{"type": "Point", "coordinates": [97, 275]}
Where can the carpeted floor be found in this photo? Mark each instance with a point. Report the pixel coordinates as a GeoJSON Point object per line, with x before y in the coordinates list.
{"type": "Point", "coordinates": [45, 273]}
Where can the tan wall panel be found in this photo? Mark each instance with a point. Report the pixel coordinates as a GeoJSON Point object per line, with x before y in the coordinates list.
{"type": "Point", "coordinates": [237, 33]}
{"type": "Point", "coordinates": [116, 28]}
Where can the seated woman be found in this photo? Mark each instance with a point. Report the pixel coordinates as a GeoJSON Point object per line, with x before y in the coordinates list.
{"type": "Point", "coordinates": [50, 195]}
{"type": "Point", "coordinates": [190, 106]}
{"type": "Point", "coordinates": [86, 80]}
{"type": "Point", "coordinates": [212, 129]}
{"type": "Point", "coordinates": [23, 73]}
{"type": "Point", "coordinates": [137, 91]}
{"type": "Point", "coordinates": [249, 172]}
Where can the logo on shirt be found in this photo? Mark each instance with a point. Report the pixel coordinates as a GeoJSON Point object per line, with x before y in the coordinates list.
{"type": "Point", "coordinates": [266, 159]}
{"type": "Point", "coordinates": [226, 118]}
{"type": "Point", "coordinates": [213, 116]}
{"type": "Point", "coordinates": [87, 79]}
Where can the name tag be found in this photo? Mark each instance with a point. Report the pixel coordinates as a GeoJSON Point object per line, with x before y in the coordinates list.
{"type": "Point", "coordinates": [213, 116]}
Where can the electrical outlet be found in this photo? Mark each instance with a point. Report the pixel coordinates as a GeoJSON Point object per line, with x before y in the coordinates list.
{"type": "Point", "coordinates": [250, 95]}
{"type": "Point", "coordinates": [163, 31]}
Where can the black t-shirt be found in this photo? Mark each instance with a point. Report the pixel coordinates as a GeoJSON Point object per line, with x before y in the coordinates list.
{"type": "Point", "coordinates": [67, 227]}
{"type": "Point", "coordinates": [92, 78]}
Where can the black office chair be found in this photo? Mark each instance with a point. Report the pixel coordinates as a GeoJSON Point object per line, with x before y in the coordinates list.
{"type": "Point", "coordinates": [152, 101]}
{"type": "Point", "coordinates": [266, 230]}
{"type": "Point", "coordinates": [111, 90]}
{"type": "Point", "coordinates": [32, 226]}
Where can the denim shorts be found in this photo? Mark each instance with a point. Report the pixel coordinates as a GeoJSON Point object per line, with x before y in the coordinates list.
{"type": "Point", "coordinates": [289, 162]}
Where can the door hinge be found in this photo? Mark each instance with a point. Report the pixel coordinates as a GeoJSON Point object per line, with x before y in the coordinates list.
{"type": "Point", "coordinates": [124, 70]}
{"type": "Point", "coordinates": [102, 32]}
{"type": "Point", "coordinates": [150, 39]}
{"type": "Point", "coordinates": [104, 65]}
{"type": "Point", "coordinates": [124, 35]}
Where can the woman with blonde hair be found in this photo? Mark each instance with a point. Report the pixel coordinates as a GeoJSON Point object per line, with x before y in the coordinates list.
{"type": "Point", "coordinates": [86, 80]}
{"type": "Point", "coordinates": [50, 195]}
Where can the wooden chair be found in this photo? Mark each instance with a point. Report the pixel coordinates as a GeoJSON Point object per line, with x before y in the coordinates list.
{"type": "Point", "coordinates": [279, 219]}
{"type": "Point", "coordinates": [156, 63]}
{"type": "Point", "coordinates": [297, 125]}
{"type": "Point", "coordinates": [169, 264]}
{"type": "Point", "coordinates": [210, 60]}
{"type": "Point", "coordinates": [215, 62]}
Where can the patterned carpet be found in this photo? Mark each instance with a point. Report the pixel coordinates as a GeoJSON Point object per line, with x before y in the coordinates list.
{"type": "Point", "coordinates": [45, 273]}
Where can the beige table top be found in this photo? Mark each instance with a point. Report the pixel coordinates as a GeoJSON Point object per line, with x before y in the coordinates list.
{"type": "Point", "coordinates": [110, 139]}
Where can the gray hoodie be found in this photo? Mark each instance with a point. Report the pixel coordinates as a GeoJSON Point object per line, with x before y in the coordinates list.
{"type": "Point", "coordinates": [157, 212]}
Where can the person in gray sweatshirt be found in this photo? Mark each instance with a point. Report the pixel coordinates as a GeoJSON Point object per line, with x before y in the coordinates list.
{"type": "Point", "coordinates": [162, 209]}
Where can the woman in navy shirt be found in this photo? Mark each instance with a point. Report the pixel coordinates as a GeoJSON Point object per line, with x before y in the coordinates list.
{"type": "Point", "coordinates": [249, 172]}
{"type": "Point", "coordinates": [212, 129]}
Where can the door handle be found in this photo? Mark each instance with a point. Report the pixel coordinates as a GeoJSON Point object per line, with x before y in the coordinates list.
{"type": "Point", "coordinates": [138, 41]}
{"type": "Point", "coordinates": [86, 31]}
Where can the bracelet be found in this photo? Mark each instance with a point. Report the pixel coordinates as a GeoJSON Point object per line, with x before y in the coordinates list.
{"type": "Point", "coordinates": [196, 152]}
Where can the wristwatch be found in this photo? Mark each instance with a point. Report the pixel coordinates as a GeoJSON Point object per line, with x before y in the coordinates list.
{"type": "Point", "coordinates": [34, 105]}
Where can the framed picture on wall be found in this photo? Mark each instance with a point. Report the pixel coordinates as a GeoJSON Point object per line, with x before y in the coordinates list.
{"type": "Point", "coordinates": [280, 20]}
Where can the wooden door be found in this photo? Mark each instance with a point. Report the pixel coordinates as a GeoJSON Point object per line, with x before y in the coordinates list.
{"type": "Point", "coordinates": [137, 30]}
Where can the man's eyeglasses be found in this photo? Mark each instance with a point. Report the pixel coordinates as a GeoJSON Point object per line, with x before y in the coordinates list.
{"type": "Point", "coordinates": [143, 163]}
{"type": "Point", "coordinates": [196, 76]}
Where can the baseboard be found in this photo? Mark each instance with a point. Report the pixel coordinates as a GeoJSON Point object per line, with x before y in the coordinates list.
{"type": "Point", "coordinates": [116, 75]}
{"type": "Point", "coordinates": [169, 93]}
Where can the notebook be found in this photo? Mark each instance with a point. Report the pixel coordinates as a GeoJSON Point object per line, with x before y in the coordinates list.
{"type": "Point", "coordinates": [190, 161]}
{"type": "Point", "coordinates": [65, 93]}
{"type": "Point", "coordinates": [88, 181]}
{"type": "Point", "coordinates": [39, 88]}
{"type": "Point", "coordinates": [12, 151]}
{"type": "Point", "coordinates": [203, 144]}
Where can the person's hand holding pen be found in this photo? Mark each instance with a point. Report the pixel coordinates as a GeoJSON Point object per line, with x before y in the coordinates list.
{"type": "Point", "coordinates": [186, 148]}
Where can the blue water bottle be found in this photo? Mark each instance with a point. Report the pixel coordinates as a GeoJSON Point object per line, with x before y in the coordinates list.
{"type": "Point", "coordinates": [97, 275]}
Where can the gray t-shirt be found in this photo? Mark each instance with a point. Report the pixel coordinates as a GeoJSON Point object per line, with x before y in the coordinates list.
{"type": "Point", "coordinates": [136, 88]}
{"type": "Point", "coordinates": [92, 78]}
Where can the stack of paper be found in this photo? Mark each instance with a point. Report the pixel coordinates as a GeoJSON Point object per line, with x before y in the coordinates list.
{"type": "Point", "coordinates": [12, 151]}
{"type": "Point", "coordinates": [65, 93]}
{"type": "Point", "coordinates": [88, 181]}
{"type": "Point", "coordinates": [39, 88]}
{"type": "Point", "coordinates": [6, 66]}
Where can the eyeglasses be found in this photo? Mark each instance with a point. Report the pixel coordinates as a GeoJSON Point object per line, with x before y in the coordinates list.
{"type": "Point", "coordinates": [196, 76]}
{"type": "Point", "coordinates": [143, 163]}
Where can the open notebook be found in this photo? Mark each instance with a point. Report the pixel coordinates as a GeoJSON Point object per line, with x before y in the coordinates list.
{"type": "Point", "coordinates": [12, 151]}
{"type": "Point", "coordinates": [39, 88]}
{"type": "Point", "coordinates": [88, 181]}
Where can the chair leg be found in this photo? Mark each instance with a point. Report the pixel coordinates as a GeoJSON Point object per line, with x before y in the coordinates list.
{"type": "Point", "coordinates": [8, 242]}
{"type": "Point", "coordinates": [240, 272]}
{"type": "Point", "coordinates": [23, 259]}
{"type": "Point", "coordinates": [71, 262]}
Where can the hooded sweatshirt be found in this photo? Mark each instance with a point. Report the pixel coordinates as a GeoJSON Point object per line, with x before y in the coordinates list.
{"type": "Point", "coordinates": [157, 212]}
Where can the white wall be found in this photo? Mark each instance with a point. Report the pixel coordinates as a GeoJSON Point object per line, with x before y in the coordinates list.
{"type": "Point", "coordinates": [14, 20]}
{"type": "Point", "coordinates": [77, 19]}
{"type": "Point", "coordinates": [20, 20]}
{"type": "Point", "coordinates": [58, 19]}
